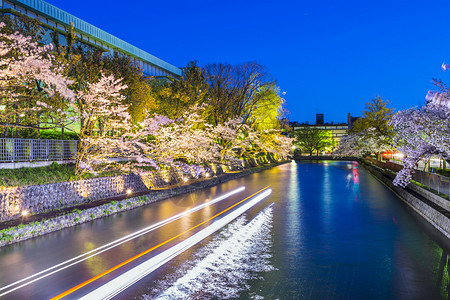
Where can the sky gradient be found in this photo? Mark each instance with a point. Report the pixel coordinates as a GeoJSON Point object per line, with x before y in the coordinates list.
{"type": "Point", "coordinates": [329, 57]}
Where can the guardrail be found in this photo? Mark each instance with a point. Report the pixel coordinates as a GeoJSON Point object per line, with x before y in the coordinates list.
{"type": "Point", "coordinates": [15, 150]}
{"type": "Point", "coordinates": [437, 182]}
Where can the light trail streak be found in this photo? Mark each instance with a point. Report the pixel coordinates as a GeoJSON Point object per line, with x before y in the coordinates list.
{"type": "Point", "coordinates": [78, 259]}
{"type": "Point", "coordinates": [149, 250]}
{"type": "Point", "coordinates": [122, 282]}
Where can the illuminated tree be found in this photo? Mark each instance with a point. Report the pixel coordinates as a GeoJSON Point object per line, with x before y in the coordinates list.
{"type": "Point", "coordinates": [373, 127]}
{"type": "Point", "coordinates": [233, 90]}
{"type": "Point", "coordinates": [139, 95]}
{"type": "Point", "coordinates": [423, 132]}
{"type": "Point", "coordinates": [312, 139]}
{"type": "Point", "coordinates": [29, 82]}
{"type": "Point", "coordinates": [103, 120]}
{"type": "Point", "coordinates": [362, 143]}
{"type": "Point", "coordinates": [267, 108]}
{"type": "Point", "coordinates": [176, 95]}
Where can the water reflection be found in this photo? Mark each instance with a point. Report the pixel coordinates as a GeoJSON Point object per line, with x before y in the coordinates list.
{"type": "Point", "coordinates": [344, 235]}
{"type": "Point", "coordinates": [293, 206]}
{"type": "Point", "coordinates": [334, 232]}
{"type": "Point", "coordinates": [443, 283]}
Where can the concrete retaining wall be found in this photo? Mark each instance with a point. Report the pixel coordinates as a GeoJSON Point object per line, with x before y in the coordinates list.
{"type": "Point", "coordinates": [431, 207]}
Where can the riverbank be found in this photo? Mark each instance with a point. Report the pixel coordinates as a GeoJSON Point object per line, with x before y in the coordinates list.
{"type": "Point", "coordinates": [431, 207]}
{"type": "Point", "coordinates": [27, 227]}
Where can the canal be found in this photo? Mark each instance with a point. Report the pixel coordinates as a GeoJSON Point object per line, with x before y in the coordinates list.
{"type": "Point", "coordinates": [329, 230]}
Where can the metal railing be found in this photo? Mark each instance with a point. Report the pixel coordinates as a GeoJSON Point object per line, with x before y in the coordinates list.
{"type": "Point", "coordinates": [429, 181]}
{"type": "Point", "coordinates": [14, 150]}
{"type": "Point", "coordinates": [437, 182]}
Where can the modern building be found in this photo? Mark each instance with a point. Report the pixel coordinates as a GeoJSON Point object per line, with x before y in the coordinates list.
{"type": "Point", "coordinates": [338, 130]}
{"type": "Point", "coordinates": [55, 19]}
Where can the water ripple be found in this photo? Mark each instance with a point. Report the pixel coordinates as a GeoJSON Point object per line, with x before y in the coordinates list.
{"type": "Point", "coordinates": [223, 267]}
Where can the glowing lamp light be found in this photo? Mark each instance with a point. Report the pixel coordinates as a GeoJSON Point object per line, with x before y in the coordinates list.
{"type": "Point", "coordinates": [399, 155]}
{"type": "Point", "coordinates": [207, 175]}
{"type": "Point", "coordinates": [185, 179]}
{"type": "Point", "coordinates": [129, 191]}
{"type": "Point", "coordinates": [24, 213]}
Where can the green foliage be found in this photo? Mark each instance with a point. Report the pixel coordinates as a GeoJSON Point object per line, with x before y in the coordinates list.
{"type": "Point", "coordinates": [139, 94]}
{"type": "Point", "coordinates": [376, 115]}
{"type": "Point", "coordinates": [444, 172]}
{"type": "Point", "coordinates": [174, 96]}
{"type": "Point", "coordinates": [373, 126]}
{"type": "Point", "coordinates": [57, 135]}
{"type": "Point", "coordinates": [23, 24]}
{"type": "Point", "coordinates": [310, 139]}
{"type": "Point", "coordinates": [6, 237]}
{"type": "Point", "coordinates": [267, 108]}
{"type": "Point", "coordinates": [33, 176]}
{"type": "Point", "coordinates": [42, 175]}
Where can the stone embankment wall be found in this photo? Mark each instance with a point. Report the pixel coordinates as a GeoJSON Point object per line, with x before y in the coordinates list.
{"type": "Point", "coordinates": [41, 198]}
{"type": "Point", "coordinates": [433, 208]}
{"type": "Point", "coordinates": [22, 232]}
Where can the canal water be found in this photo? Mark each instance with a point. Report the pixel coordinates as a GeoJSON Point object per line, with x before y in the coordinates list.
{"type": "Point", "coordinates": [329, 230]}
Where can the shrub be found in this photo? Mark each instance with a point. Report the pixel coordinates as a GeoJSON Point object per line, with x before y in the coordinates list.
{"type": "Point", "coordinates": [56, 135]}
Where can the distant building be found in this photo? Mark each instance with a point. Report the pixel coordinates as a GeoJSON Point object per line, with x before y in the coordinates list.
{"type": "Point", "coordinates": [319, 119]}
{"type": "Point", "coordinates": [338, 130]}
{"type": "Point", "coordinates": [350, 121]}
{"type": "Point", "coordinates": [54, 19]}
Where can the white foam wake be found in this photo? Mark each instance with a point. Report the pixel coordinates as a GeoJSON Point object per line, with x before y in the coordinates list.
{"type": "Point", "coordinates": [237, 255]}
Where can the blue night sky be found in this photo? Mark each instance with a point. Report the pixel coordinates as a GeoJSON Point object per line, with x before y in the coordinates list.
{"type": "Point", "coordinates": [329, 57]}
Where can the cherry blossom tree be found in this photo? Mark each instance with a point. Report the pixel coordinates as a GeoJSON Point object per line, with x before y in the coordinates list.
{"type": "Point", "coordinates": [423, 132]}
{"type": "Point", "coordinates": [185, 144]}
{"type": "Point", "coordinates": [30, 80]}
{"type": "Point", "coordinates": [350, 146]}
{"type": "Point", "coordinates": [189, 144]}
{"type": "Point", "coordinates": [103, 120]}
{"type": "Point", "coordinates": [363, 143]}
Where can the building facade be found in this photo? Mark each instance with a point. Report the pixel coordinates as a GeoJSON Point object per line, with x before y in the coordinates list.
{"type": "Point", "coordinates": [338, 130]}
{"type": "Point", "coordinates": [57, 20]}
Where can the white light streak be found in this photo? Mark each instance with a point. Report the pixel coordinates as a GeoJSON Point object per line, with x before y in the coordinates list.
{"type": "Point", "coordinates": [122, 282]}
{"type": "Point", "coordinates": [228, 262]}
{"type": "Point", "coordinates": [76, 260]}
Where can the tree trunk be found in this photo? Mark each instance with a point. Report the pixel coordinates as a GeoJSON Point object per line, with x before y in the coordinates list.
{"type": "Point", "coordinates": [38, 123]}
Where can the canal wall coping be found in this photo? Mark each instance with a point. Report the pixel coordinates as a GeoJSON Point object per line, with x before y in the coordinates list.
{"type": "Point", "coordinates": [431, 207]}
